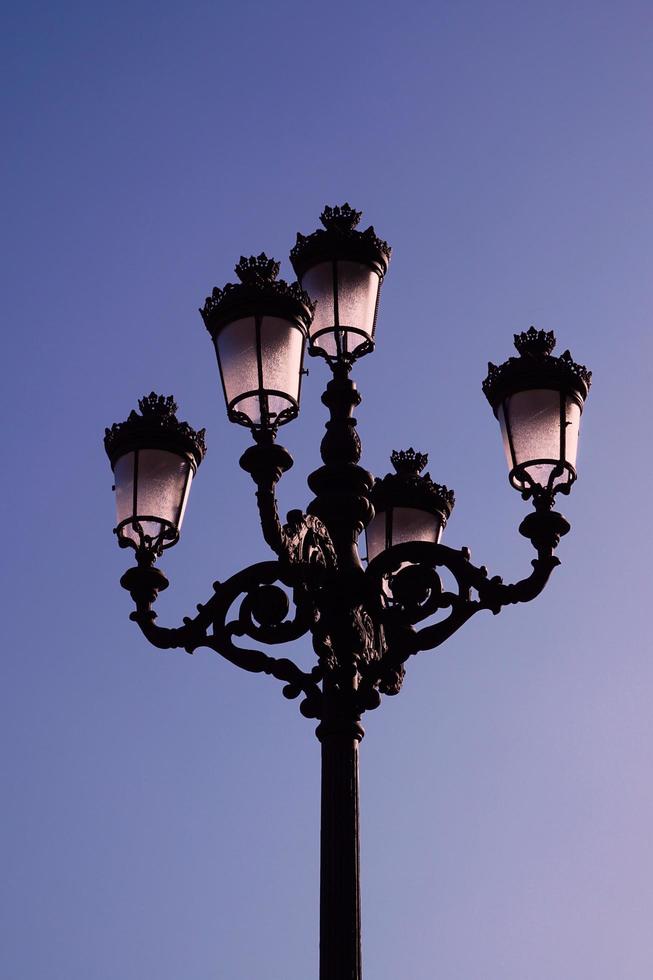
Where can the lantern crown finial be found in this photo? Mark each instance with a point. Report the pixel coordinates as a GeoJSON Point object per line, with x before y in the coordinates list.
{"type": "Point", "coordinates": [257, 269]}
{"type": "Point", "coordinates": [535, 343]}
{"type": "Point", "coordinates": [156, 427]}
{"type": "Point", "coordinates": [408, 462]}
{"type": "Point", "coordinates": [536, 367]}
{"type": "Point", "coordinates": [159, 407]}
{"type": "Point", "coordinates": [259, 289]}
{"type": "Point", "coordinates": [339, 239]}
{"type": "Point", "coordinates": [409, 487]}
{"type": "Point", "coordinates": [342, 217]}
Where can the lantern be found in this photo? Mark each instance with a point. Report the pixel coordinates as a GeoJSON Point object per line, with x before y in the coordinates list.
{"type": "Point", "coordinates": [259, 327]}
{"type": "Point", "coordinates": [408, 506]}
{"type": "Point", "coordinates": [342, 270]}
{"type": "Point", "coordinates": [154, 458]}
{"type": "Point", "coordinates": [538, 400]}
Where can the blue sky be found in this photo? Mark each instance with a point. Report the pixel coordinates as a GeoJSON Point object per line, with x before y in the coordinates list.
{"type": "Point", "coordinates": [161, 811]}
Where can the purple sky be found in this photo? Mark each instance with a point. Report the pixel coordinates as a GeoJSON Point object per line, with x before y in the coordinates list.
{"type": "Point", "coordinates": [160, 814]}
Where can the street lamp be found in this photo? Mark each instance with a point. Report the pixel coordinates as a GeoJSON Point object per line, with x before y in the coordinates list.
{"type": "Point", "coordinates": [362, 615]}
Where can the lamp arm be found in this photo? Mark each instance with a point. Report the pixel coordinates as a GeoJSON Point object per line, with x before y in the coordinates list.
{"type": "Point", "coordinates": [261, 615]}
{"type": "Point", "coordinates": [415, 591]}
{"type": "Point", "coordinates": [303, 543]}
{"type": "Point", "coordinates": [544, 528]}
{"type": "Point", "coordinates": [494, 594]}
{"type": "Point", "coordinates": [266, 499]}
{"type": "Point", "coordinates": [266, 462]}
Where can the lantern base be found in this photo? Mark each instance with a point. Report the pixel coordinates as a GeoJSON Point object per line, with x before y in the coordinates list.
{"type": "Point", "coordinates": [544, 529]}
{"type": "Point", "coordinates": [144, 584]}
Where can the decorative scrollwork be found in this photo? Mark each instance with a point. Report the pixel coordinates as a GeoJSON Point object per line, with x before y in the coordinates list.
{"type": "Point", "coordinates": [268, 605]}
{"type": "Point", "coordinates": [261, 615]}
{"type": "Point", "coordinates": [307, 541]}
{"type": "Point", "coordinates": [415, 592]}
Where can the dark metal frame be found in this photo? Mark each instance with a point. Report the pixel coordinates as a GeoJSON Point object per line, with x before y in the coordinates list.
{"type": "Point", "coordinates": [365, 623]}
{"type": "Point", "coordinates": [168, 535]}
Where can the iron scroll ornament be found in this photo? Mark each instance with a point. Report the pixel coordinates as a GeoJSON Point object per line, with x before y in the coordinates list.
{"type": "Point", "coordinates": [261, 615]}
{"type": "Point", "coordinates": [376, 628]}
{"type": "Point", "coordinates": [362, 622]}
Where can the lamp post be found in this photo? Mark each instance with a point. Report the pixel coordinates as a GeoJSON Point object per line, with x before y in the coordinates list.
{"type": "Point", "coordinates": [362, 614]}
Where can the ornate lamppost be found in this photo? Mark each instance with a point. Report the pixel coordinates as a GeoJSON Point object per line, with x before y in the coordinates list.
{"type": "Point", "coordinates": [363, 617]}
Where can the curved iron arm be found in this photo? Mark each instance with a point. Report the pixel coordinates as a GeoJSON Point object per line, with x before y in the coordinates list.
{"type": "Point", "coordinates": [262, 615]}
{"type": "Point", "coordinates": [414, 592]}
{"type": "Point", "coordinates": [304, 540]}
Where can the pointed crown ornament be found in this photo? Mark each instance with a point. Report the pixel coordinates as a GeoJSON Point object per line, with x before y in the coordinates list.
{"type": "Point", "coordinates": [536, 367]}
{"type": "Point", "coordinates": [157, 427]}
{"type": "Point", "coordinates": [340, 240]}
{"type": "Point", "coordinates": [259, 293]}
{"type": "Point", "coordinates": [408, 487]}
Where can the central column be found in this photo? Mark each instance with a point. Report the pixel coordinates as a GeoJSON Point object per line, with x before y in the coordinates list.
{"type": "Point", "coordinates": [342, 503]}
{"type": "Point", "coordinates": [340, 915]}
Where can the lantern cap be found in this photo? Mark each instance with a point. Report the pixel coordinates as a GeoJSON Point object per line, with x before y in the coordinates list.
{"type": "Point", "coordinates": [339, 239]}
{"type": "Point", "coordinates": [157, 427]}
{"type": "Point", "coordinates": [536, 367]}
{"type": "Point", "coordinates": [408, 487]}
{"type": "Point", "coordinates": [259, 292]}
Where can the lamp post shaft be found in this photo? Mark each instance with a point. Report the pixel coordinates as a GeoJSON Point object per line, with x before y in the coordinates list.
{"type": "Point", "coordinates": [340, 918]}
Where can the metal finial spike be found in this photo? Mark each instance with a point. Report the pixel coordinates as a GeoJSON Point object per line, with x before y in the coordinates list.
{"type": "Point", "coordinates": [343, 217]}
{"type": "Point", "coordinates": [257, 268]}
{"type": "Point", "coordinates": [154, 405]}
{"type": "Point", "coordinates": [535, 342]}
{"type": "Point", "coordinates": [408, 461]}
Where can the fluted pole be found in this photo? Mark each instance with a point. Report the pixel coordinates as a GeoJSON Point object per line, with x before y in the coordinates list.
{"type": "Point", "coordinates": [340, 915]}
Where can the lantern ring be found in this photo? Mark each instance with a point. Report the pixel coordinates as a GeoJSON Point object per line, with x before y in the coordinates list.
{"type": "Point", "coordinates": [153, 546]}
{"type": "Point", "coordinates": [522, 480]}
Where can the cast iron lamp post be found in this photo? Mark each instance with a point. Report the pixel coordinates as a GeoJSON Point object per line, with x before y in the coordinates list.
{"type": "Point", "coordinates": [363, 618]}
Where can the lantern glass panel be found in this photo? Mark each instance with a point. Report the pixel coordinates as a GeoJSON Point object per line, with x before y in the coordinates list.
{"type": "Point", "coordinates": [346, 296]}
{"type": "Point", "coordinates": [281, 356]}
{"type": "Point", "coordinates": [236, 348]}
{"type": "Point", "coordinates": [123, 475]}
{"type": "Point", "coordinates": [268, 377]}
{"type": "Point", "coordinates": [358, 287]}
{"type": "Point", "coordinates": [318, 283]}
{"type": "Point", "coordinates": [375, 535]}
{"type": "Point", "coordinates": [411, 524]}
{"type": "Point", "coordinates": [572, 414]}
{"type": "Point", "coordinates": [399, 526]}
{"type": "Point", "coordinates": [151, 483]}
{"type": "Point", "coordinates": [531, 421]}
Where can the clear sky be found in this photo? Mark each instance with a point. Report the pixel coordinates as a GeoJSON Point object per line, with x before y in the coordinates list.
{"type": "Point", "coordinates": [160, 812]}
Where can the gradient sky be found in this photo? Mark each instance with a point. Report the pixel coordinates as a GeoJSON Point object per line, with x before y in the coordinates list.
{"type": "Point", "coordinates": [160, 812]}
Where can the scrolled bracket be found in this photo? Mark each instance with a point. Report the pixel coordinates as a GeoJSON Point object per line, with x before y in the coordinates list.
{"type": "Point", "coordinates": [494, 594]}
{"type": "Point", "coordinates": [261, 615]}
{"type": "Point", "coordinates": [408, 589]}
